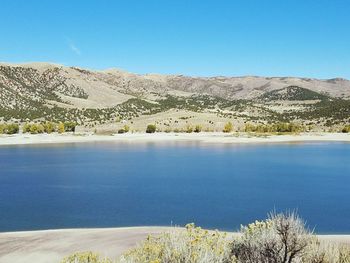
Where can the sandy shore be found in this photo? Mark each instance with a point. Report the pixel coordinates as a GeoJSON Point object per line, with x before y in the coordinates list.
{"type": "Point", "coordinates": [51, 246]}
{"type": "Point", "coordinates": [21, 139]}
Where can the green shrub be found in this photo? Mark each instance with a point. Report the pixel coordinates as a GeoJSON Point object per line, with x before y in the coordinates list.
{"type": "Point", "coordinates": [126, 128]}
{"type": "Point", "coordinates": [228, 127]}
{"type": "Point", "coordinates": [69, 126]}
{"type": "Point", "coordinates": [280, 127]}
{"type": "Point", "coordinates": [26, 128]}
{"type": "Point", "coordinates": [60, 127]}
{"type": "Point", "coordinates": [151, 128]}
{"type": "Point", "coordinates": [281, 238]}
{"type": "Point", "coordinates": [346, 129]}
{"type": "Point", "coordinates": [49, 127]}
{"type": "Point", "coordinates": [198, 128]}
{"type": "Point", "coordinates": [11, 128]}
{"type": "Point", "coordinates": [191, 245]}
{"type": "Point", "coordinates": [2, 128]}
{"type": "Point", "coordinates": [121, 131]}
{"type": "Point", "coordinates": [189, 129]}
{"type": "Point", "coordinates": [36, 128]}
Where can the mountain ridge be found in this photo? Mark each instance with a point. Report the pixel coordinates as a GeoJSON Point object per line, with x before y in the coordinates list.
{"type": "Point", "coordinates": [52, 91]}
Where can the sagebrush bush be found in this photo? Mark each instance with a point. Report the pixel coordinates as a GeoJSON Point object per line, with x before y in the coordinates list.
{"type": "Point", "coordinates": [11, 128]}
{"type": "Point", "coordinates": [325, 252]}
{"type": "Point", "coordinates": [346, 129]}
{"type": "Point", "coordinates": [281, 238]}
{"type": "Point", "coordinates": [151, 128]}
{"type": "Point", "coordinates": [228, 127]}
{"type": "Point", "coordinates": [197, 129]}
{"type": "Point", "coordinates": [85, 257]}
{"type": "Point", "coordinates": [192, 245]}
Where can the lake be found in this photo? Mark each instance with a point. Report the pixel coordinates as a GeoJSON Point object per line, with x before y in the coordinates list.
{"type": "Point", "coordinates": [215, 186]}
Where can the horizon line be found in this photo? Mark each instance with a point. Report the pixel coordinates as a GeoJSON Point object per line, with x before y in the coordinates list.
{"type": "Point", "coordinates": [164, 74]}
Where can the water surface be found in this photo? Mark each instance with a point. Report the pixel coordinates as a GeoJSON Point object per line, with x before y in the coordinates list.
{"type": "Point", "coordinates": [215, 186]}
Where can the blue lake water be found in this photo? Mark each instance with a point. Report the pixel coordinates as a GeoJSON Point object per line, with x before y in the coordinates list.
{"type": "Point", "coordinates": [215, 186]}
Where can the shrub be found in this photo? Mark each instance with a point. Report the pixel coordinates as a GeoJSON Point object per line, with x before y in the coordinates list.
{"type": "Point", "coordinates": [198, 128]}
{"type": "Point", "coordinates": [26, 128]}
{"type": "Point", "coordinates": [11, 128]}
{"type": "Point", "coordinates": [324, 252]}
{"type": "Point", "coordinates": [126, 128]}
{"type": "Point", "coordinates": [189, 129]}
{"type": "Point", "coordinates": [281, 238]}
{"type": "Point", "coordinates": [60, 127]}
{"type": "Point", "coordinates": [69, 126]}
{"type": "Point", "coordinates": [228, 127]}
{"type": "Point", "coordinates": [346, 129]}
{"type": "Point", "coordinates": [280, 127]}
{"type": "Point", "coordinates": [85, 257]}
{"type": "Point", "coordinates": [190, 245]}
{"type": "Point", "coordinates": [151, 128]}
{"type": "Point", "coordinates": [121, 131]}
{"type": "Point", "coordinates": [49, 127]}
{"type": "Point", "coordinates": [36, 128]}
{"type": "Point", "coordinates": [167, 130]}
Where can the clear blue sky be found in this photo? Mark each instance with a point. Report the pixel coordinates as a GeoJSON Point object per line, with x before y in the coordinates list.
{"type": "Point", "coordinates": [204, 38]}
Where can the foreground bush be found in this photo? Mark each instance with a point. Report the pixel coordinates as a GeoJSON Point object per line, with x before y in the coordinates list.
{"type": "Point", "coordinates": [192, 245]}
{"type": "Point", "coordinates": [85, 257]}
{"type": "Point", "coordinates": [281, 238]}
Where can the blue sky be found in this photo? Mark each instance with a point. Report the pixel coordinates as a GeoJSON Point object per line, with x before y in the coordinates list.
{"type": "Point", "coordinates": [308, 38]}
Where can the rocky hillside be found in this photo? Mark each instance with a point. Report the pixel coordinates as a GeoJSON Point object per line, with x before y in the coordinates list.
{"type": "Point", "coordinates": [55, 92]}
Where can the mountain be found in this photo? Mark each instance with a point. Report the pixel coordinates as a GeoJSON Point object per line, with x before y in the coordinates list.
{"type": "Point", "coordinates": [46, 91]}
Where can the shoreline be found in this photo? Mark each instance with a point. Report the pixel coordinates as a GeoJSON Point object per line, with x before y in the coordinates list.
{"type": "Point", "coordinates": [53, 245]}
{"type": "Point", "coordinates": [212, 137]}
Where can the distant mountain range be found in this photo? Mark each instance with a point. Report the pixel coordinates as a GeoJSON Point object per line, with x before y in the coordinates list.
{"type": "Point", "coordinates": [50, 91]}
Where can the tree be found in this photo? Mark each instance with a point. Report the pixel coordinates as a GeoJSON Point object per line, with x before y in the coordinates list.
{"type": "Point", "coordinates": [151, 128]}
{"type": "Point", "coordinates": [228, 127]}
